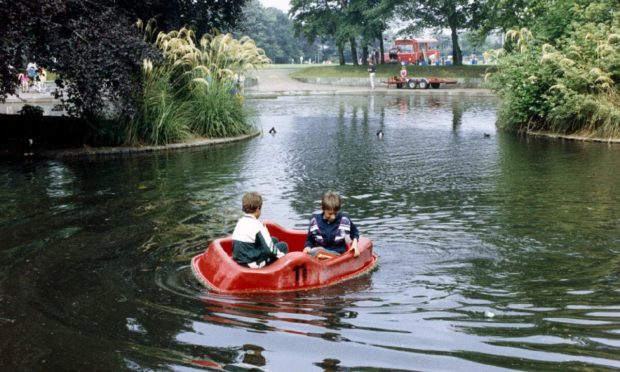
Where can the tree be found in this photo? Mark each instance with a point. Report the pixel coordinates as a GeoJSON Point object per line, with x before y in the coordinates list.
{"type": "Point", "coordinates": [202, 16]}
{"type": "Point", "coordinates": [453, 14]}
{"type": "Point", "coordinates": [317, 19]}
{"type": "Point", "coordinates": [346, 21]}
{"type": "Point", "coordinates": [272, 31]}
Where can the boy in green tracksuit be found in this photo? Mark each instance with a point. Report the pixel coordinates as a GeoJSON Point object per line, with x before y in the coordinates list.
{"type": "Point", "coordinates": [252, 245]}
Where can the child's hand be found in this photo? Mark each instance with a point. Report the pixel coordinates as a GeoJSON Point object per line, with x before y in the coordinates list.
{"type": "Point", "coordinates": [280, 254]}
{"type": "Point", "coordinates": [355, 249]}
{"type": "Point", "coordinates": [307, 250]}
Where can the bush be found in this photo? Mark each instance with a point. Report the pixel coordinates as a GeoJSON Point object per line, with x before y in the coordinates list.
{"type": "Point", "coordinates": [30, 110]}
{"type": "Point", "coordinates": [571, 87]}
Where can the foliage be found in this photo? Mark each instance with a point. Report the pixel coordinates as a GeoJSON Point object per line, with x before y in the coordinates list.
{"type": "Point", "coordinates": [30, 110]}
{"type": "Point", "coordinates": [216, 112]}
{"type": "Point", "coordinates": [454, 15]}
{"type": "Point", "coordinates": [314, 19]}
{"type": "Point", "coordinates": [344, 21]}
{"type": "Point", "coordinates": [193, 90]}
{"type": "Point", "coordinates": [93, 46]}
{"type": "Point", "coordinates": [161, 118]}
{"type": "Point", "coordinates": [568, 87]}
{"type": "Point", "coordinates": [272, 30]}
{"type": "Point", "coordinates": [202, 16]}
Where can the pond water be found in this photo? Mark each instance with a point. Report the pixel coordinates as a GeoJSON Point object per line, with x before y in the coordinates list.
{"type": "Point", "coordinates": [496, 251]}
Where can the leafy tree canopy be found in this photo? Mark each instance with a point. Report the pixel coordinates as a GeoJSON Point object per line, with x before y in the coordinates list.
{"type": "Point", "coordinates": [272, 31]}
{"type": "Point", "coordinates": [94, 46]}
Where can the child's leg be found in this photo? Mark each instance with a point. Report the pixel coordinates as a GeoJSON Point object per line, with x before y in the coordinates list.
{"type": "Point", "coordinates": [317, 250]}
{"type": "Point", "coordinates": [282, 246]}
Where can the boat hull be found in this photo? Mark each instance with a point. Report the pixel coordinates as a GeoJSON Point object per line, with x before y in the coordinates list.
{"type": "Point", "coordinates": [296, 271]}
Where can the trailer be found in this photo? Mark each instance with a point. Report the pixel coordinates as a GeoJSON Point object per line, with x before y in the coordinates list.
{"type": "Point", "coordinates": [418, 82]}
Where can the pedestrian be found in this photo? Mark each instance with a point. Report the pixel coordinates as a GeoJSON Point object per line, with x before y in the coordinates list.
{"type": "Point", "coordinates": [372, 69]}
{"type": "Point", "coordinates": [23, 81]}
{"type": "Point", "coordinates": [31, 70]}
{"type": "Point", "coordinates": [42, 79]}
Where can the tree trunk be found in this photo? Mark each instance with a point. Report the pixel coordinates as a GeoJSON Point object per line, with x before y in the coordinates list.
{"type": "Point", "coordinates": [365, 54]}
{"type": "Point", "coordinates": [341, 54]}
{"type": "Point", "coordinates": [381, 48]}
{"type": "Point", "coordinates": [354, 51]}
{"type": "Point", "coordinates": [457, 55]}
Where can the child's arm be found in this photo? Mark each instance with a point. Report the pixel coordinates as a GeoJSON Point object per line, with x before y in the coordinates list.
{"type": "Point", "coordinates": [355, 236]}
{"type": "Point", "coordinates": [264, 242]}
{"type": "Point", "coordinates": [309, 237]}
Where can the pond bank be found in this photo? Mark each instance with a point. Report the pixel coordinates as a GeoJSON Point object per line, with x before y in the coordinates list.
{"type": "Point", "coordinates": [122, 151]}
{"type": "Point", "coordinates": [571, 137]}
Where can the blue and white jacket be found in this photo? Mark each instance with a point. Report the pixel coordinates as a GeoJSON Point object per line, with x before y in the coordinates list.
{"type": "Point", "coordinates": [252, 241]}
{"type": "Point", "coordinates": [331, 235]}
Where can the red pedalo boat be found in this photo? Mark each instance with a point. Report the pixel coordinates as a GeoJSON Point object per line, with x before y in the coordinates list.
{"type": "Point", "coordinates": [216, 269]}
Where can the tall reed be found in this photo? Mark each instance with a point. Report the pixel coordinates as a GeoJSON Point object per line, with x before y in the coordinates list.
{"type": "Point", "coordinates": [195, 89]}
{"type": "Point", "coordinates": [161, 118]}
{"type": "Point", "coordinates": [572, 86]}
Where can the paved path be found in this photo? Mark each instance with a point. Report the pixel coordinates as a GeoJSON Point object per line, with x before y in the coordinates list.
{"type": "Point", "coordinates": [272, 82]}
{"type": "Point", "coordinates": [276, 81]}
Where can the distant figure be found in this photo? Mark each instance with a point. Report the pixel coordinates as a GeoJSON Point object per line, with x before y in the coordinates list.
{"type": "Point", "coordinates": [28, 150]}
{"type": "Point", "coordinates": [272, 130]}
{"type": "Point", "coordinates": [24, 81]}
{"type": "Point", "coordinates": [403, 76]}
{"type": "Point", "coordinates": [33, 75]}
{"type": "Point", "coordinates": [380, 134]}
{"type": "Point", "coordinates": [372, 69]}
{"type": "Point", "coordinates": [393, 55]}
{"type": "Point", "coordinates": [41, 79]}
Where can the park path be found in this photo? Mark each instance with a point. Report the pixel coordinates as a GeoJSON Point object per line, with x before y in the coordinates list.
{"type": "Point", "coordinates": [277, 80]}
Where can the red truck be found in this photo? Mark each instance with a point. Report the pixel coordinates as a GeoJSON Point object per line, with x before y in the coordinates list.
{"type": "Point", "coordinates": [412, 50]}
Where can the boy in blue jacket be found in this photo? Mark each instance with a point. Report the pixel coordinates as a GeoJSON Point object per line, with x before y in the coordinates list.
{"type": "Point", "coordinates": [328, 230]}
{"type": "Point", "coordinates": [252, 245]}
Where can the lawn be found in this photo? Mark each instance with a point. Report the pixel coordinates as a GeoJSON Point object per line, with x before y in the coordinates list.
{"type": "Point", "coordinates": [387, 70]}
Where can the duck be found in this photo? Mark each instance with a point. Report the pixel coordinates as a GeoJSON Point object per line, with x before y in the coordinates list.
{"type": "Point", "coordinates": [272, 130]}
{"type": "Point", "coordinates": [486, 135]}
{"type": "Point", "coordinates": [380, 134]}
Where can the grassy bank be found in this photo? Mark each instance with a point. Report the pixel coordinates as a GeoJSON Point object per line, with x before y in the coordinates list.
{"type": "Point", "coordinates": [387, 70]}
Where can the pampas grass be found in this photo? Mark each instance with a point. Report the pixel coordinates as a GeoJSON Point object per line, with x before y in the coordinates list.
{"type": "Point", "coordinates": [194, 90]}
{"type": "Point", "coordinates": [571, 87]}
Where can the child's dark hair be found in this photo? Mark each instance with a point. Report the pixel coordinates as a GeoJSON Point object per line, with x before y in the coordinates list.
{"type": "Point", "coordinates": [331, 200]}
{"type": "Point", "coordinates": [251, 202]}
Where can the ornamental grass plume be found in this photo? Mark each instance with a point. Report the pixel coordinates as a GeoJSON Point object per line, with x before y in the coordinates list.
{"type": "Point", "coordinates": [194, 90]}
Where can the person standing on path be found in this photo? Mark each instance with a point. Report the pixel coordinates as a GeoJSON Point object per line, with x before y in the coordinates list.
{"type": "Point", "coordinates": [372, 69]}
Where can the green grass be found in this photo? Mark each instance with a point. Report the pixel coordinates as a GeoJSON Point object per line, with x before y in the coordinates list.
{"type": "Point", "coordinates": [387, 70]}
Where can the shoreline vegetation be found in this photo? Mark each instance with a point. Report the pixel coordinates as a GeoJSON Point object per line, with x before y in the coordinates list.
{"type": "Point", "coordinates": [122, 151]}
{"type": "Point", "coordinates": [297, 71]}
{"type": "Point", "coordinates": [194, 90]}
{"type": "Point", "coordinates": [562, 80]}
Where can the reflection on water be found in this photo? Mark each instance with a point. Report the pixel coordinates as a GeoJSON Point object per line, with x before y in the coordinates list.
{"type": "Point", "coordinates": [495, 251]}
